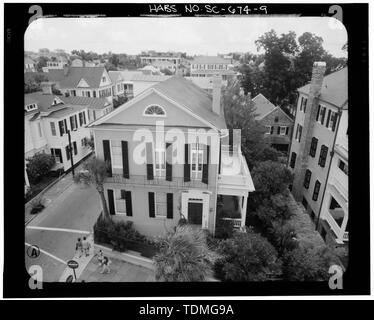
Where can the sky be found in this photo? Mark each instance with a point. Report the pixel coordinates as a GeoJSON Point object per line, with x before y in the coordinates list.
{"type": "Point", "coordinates": [205, 36]}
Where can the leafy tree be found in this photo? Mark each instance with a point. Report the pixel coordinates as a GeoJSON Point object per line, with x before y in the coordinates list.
{"type": "Point", "coordinates": [38, 166]}
{"type": "Point", "coordinates": [240, 114]}
{"type": "Point", "coordinates": [42, 62]}
{"type": "Point", "coordinates": [113, 59]}
{"type": "Point", "coordinates": [183, 255]}
{"type": "Point", "coordinates": [33, 81]}
{"type": "Point", "coordinates": [96, 170]}
{"type": "Point", "coordinates": [302, 264]}
{"type": "Point", "coordinates": [110, 67]}
{"type": "Point", "coordinates": [246, 257]}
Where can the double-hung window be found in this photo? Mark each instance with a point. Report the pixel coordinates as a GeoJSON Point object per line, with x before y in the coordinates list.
{"type": "Point", "coordinates": [160, 204]}
{"type": "Point", "coordinates": [268, 129]}
{"type": "Point", "coordinates": [308, 175]}
{"type": "Point", "coordinates": [283, 130]}
{"type": "Point", "coordinates": [160, 163]}
{"type": "Point", "coordinates": [317, 186]}
{"type": "Point", "coordinates": [321, 114]}
{"type": "Point", "coordinates": [120, 201]}
{"type": "Point", "coordinates": [196, 161]}
{"type": "Point", "coordinates": [323, 156]}
{"type": "Point", "coordinates": [53, 128]}
{"type": "Point", "coordinates": [313, 147]}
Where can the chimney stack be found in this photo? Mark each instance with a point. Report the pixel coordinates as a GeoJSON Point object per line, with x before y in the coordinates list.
{"type": "Point", "coordinates": [318, 73]}
{"type": "Point", "coordinates": [217, 84]}
{"type": "Point", "coordinates": [47, 87]}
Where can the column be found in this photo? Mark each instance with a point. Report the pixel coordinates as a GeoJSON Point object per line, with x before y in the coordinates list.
{"type": "Point", "coordinates": [244, 211]}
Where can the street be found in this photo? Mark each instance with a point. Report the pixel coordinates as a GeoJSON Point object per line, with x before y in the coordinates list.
{"type": "Point", "coordinates": [71, 213]}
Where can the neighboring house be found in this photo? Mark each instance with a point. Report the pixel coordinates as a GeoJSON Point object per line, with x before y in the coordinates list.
{"type": "Point", "coordinates": [47, 120]}
{"type": "Point", "coordinates": [334, 211]}
{"type": "Point", "coordinates": [96, 107]}
{"type": "Point", "coordinates": [150, 70]}
{"type": "Point", "coordinates": [207, 66]}
{"type": "Point", "coordinates": [59, 63]}
{"type": "Point", "coordinates": [156, 176]}
{"type": "Point", "coordinates": [119, 86]}
{"type": "Point", "coordinates": [277, 123]}
{"type": "Point", "coordinates": [165, 65]}
{"type": "Point", "coordinates": [83, 82]}
{"type": "Point", "coordinates": [136, 82]}
{"type": "Point", "coordinates": [318, 144]}
{"type": "Point", "coordinates": [82, 63]}
{"type": "Point", "coordinates": [29, 65]}
{"type": "Point", "coordinates": [151, 59]}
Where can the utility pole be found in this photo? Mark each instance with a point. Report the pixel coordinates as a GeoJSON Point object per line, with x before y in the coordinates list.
{"type": "Point", "coordinates": [71, 153]}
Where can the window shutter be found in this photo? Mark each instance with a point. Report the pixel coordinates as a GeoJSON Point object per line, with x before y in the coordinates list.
{"type": "Point", "coordinates": [128, 203]}
{"type": "Point", "coordinates": [205, 177]}
{"type": "Point", "coordinates": [187, 172]}
{"type": "Point", "coordinates": [334, 122]}
{"type": "Point", "coordinates": [75, 147]}
{"type": "Point", "coordinates": [151, 204]}
{"type": "Point", "coordinates": [71, 123]}
{"type": "Point", "coordinates": [61, 127]}
{"type": "Point", "coordinates": [287, 131]}
{"type": "Point", "coordinates": [125, 160]}
{"type": "Point", "coordinates": [107, 157]}
{"type": "Point", "coordinates": [169, 200]}
{"type": "Point", "coordinates": [323, 116]}
{"type": "Point", "coordinates": [169, 167]}
{"type": "Point", "coordinates": [67, 152]}
{"type": "Point", "coordinates": [84, 117]}
{"type": "Point", "coordinates": [111, 202]}
{"type": "Point", "coordinates": [149, 161]}
{"type": "Point", "coordinates": [319, 108]}
{"type": "Point", "coordinates": [328, 119]}
{"type": "Point", "coordinates": [271, 130]}
{"type": "Point", "coordinates": [301, 103]}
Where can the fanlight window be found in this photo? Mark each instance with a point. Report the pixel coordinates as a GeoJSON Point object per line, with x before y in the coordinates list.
{"type": "Point", "coordinates": [154, 111]}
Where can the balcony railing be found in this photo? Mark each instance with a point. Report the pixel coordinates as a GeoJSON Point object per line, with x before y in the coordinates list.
{"type": "Point", "coordinates": [236, 222]}
{"type": "Point", "coordinates": [141, 180]}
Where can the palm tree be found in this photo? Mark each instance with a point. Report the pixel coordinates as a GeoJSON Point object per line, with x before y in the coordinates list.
{"type": "Point", "coordinates": [96, 170]}
{"type": "Point", "coordinates": [183, 255]}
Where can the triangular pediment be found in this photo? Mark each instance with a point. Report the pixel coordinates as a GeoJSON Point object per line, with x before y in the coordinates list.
{"type": "Point", "coordinates": [82, 84]}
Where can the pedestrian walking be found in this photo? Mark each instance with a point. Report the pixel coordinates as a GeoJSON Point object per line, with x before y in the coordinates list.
{"type": "Point", "coordinates": [86, 246]}
{"type": "Point", "coordinates": [100, 256]}
{"type": "Point", "coordinates": [105, 263]}
{"type": "Point", "coordinates": [79, 247]}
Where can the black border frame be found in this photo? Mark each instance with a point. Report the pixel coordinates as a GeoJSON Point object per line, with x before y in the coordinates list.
{"type": "Point", "coordinates": [356, 280]}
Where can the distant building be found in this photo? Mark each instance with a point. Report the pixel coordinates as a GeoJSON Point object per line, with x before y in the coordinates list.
{"type": "Point", "coordinates": [151, 58]}
{"type": "Point", "coordinates": [83, 82]}
{"type": "Point", "coordinates": [208, 66]}
{"type": "Point", "coordinates": [82, 63]}
{"type": "Point", "coordinates": [165, 65]}
{"type": "Point", "coordinates": [29, 65]}
{"type": "Point", "coordinates": [277, 123]}
{"type": "Point", "coordinates": [58, 63]}
{"type": "Point", "coordinates": [319, 152]}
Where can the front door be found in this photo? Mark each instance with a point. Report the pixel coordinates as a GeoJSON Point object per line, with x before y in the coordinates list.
{"type": "Point", "coordinates": [195, 213]}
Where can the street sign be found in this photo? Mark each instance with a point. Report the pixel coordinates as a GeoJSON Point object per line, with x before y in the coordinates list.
{"type": "Point", "coordinates": [73, 265]}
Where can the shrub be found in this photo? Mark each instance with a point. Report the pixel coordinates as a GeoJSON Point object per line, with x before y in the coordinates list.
{"type": "Point", "coordinates": [224, 229]}
{"type": "Point", "coordinates": [247, 257]}
{"type": "Point", "coordinates": [120, 234]}
{"type": "Point", "coordinates": [183, 256]}
{"type": "Point", "coordinates": [38, 166]}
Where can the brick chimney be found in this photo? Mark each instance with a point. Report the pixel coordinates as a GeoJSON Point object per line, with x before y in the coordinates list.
{"type": "Point", "coordinates": [318, 73]}
{"type": "Point", "coordinates": [47, 87]}
{"type": "Point", "coordinates": [217, 84]}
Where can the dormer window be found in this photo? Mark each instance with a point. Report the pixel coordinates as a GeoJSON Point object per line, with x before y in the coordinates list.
{"type": "Point", "coordinates": [31, 107]}
{"type": "Point", "coordinates": [104, 79]}
{"type": "Point", "coordinates": [155, 110]}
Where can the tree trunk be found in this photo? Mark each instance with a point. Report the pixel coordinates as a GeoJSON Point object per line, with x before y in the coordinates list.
{"type": "Point", "coordinates": [106, 214]}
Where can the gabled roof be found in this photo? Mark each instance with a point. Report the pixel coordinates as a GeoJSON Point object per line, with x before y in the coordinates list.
{"type": "Point", "coordinates": [210, 59]}
{"type": "Point", "coordinates": [263, 106]}
{"type": "Point", "coordinates": [189, 95]}
{"type": "Point", "coordinates": [115, 76]}
{"type": "Point", "coordinates": [182, 93]}
{"type": "Point", "coordinates": [44, 101]}
{"type": "Point", "coordinates": [95, 103]}
{"type": "Point", "coordinates": [334, 88]}
{"type": "Point", "coordinates": [71, 78]}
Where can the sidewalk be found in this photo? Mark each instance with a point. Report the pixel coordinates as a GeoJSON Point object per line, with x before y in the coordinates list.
{"type": "Point", "coordinates": [120, 272]}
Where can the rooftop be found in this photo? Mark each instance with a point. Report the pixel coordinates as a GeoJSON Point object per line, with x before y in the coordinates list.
{"type": "Point", "coordinates": [94, 103]}
{"type": "Point", "coordinates": [210, 59]}
{"type": "Point", "coordinates": [263, 106]}
{"type": "Point", "coordinates": [334, 88]}
{"type": "Point", "coordinates": [191, 96]}
{"type": "Point", "coordinates": [71, 77]}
